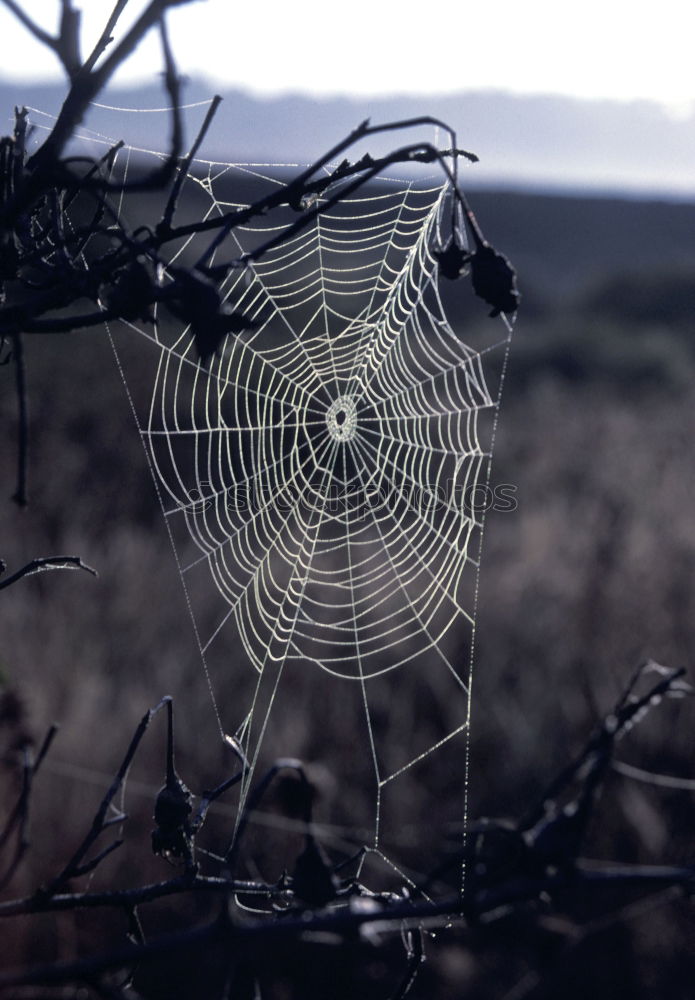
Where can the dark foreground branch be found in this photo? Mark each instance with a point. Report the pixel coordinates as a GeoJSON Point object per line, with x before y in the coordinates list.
{"type": "Point", "coordinates": [256, 939]}
{"type": "Point", "coordinates": [541, 866]}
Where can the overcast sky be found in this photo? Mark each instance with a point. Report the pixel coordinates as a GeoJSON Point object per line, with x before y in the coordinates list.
{"type": "Point", "coordinates": [622, 49]}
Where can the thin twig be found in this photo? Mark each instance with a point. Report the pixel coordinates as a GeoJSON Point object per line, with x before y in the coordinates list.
{"type": "Point", "coordinates": [416, 956]}
{"type": "Point", "coordinates": [597, 753]}
{"type": "Point", "coordinates": [19, 815]}
{"type": "Point", "coordinates": [76, 863]}
{"type": "Point", "coordinates": [45, 564]}
{"type": "Point", "coordinates": [137, 896]}
{"type": "Point", "coordinates": [105, 38]}
{"type": "Point", "coordinates": [293, 192]}
{"type": "Point", "coordinates": [182, 173]}
{"type": "Point", "coordinates": [86, 85]}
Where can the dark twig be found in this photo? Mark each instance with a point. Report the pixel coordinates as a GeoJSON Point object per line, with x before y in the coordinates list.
{"type": "Point", "coordinates": [43, 565]}
{"type": "Point", "coordinates": [416, 956]}
{"type": "Point", "coordinates": [365, 129]}
{"type": "Point", "coordinates": [45, 746]}
{"type": "Point", "coordinates": [259, 937]}
{"type": "Point", "coordinates": [87, 82]}
{"type": "Point", "coordinates": [168, 214]}
{"type": "Point", "coordinates": [421, 151]}
{"type": "Point", "coordinates": [294, 191]}
{"type": "Point", "coordinates": [595, 758]}
{"type": "Point", "coordinates": [550, 836]}
{"type": "Point", "coordinates": [334, 918]}
{"type": "Point", "coordinates": [172, 84]}
{"type": "Point", "coordinates": [105, 38]}
{"type": "Point", "coordinates": [210, 797]}
{"type": "Point", "coordinates": [25, 317]}
{"type": "Point", "coordinates": [69, 39]}
{"type": "Point", "coordinates": [76, 864]}
{"type": "Point", "coordinates": [136, 896]}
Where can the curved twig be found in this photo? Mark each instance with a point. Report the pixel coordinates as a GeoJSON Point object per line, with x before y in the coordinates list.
{"type": "Point", "coordinates": [45, 564]}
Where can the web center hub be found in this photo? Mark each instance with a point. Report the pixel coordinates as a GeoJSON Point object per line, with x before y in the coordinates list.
{"type": "Point", "coordinates": [341, 418]}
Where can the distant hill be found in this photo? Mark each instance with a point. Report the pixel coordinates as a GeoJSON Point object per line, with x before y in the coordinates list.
{"type": "Point", "coordinates": [563, 247]}
{"type": "Point", "coordinates": [542, 143]}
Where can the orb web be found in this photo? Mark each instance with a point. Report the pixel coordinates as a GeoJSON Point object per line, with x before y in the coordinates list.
{"type": "Point", "coordinates": [321, 472]}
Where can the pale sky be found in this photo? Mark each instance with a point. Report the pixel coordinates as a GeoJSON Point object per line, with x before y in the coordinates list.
{"type": "Point", "coordinates": [621, 49]}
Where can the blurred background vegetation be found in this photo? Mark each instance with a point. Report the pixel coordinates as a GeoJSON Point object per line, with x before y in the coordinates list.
{"type": "Point", "coordinates": [592, 573]}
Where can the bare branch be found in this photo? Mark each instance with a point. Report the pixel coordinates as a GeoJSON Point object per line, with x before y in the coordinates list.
{"type": "Point", "coordinates": [94, 862]}
{"type": "Point", "coordinates": [258, 938]}
{"type": "Point", "coordinates": [168, 214]}
{"type": "Point", "coordinates": [69, 39]}
{"type": "Point", "coordinates": [86, 84]}
{"type": "Point", "coordinates": [45, 564]}
{"type": "Point", "coordinates": [74, 866]}
{"type": "Point", "coordinates": [137, 896]}
{"type": "Point", "coordinates": [106, 36]}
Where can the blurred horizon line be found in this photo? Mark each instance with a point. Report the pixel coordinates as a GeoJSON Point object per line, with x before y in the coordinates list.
{"type": "Point", "coordinates": [551, 144]}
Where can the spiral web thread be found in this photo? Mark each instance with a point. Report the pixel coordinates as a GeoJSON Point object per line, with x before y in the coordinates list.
{"type": "Point", "coordinates": [320, 471]}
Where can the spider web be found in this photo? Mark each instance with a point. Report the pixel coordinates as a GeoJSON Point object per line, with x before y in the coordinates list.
{"type": "Point", "coordinates": [318, 478]}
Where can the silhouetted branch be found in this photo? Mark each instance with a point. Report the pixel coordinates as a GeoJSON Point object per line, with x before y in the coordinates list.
{"type": "Point", "coordinates": [416, 956]}
{"type": "Point", "coordinates": [545, 865]}
{"type": "Point", "coordinates": [76, 866]}
{"type": "Point", "coordinates": [259, 937]}
{"type": "Point", "coordinates": [591, 764]}
{"type": "Point", "coordinates": [136, 896]}
{"type": "Point", "coordinates": [106, 37]}
{"type": "Point", "coordinates": [87, 80]}
{"type": "Point", "coordinates": [43, 565]}
{"type": "Point", "coordinates": [165, 225]}
{"type": "Point", "coordinates": [18, 820]}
